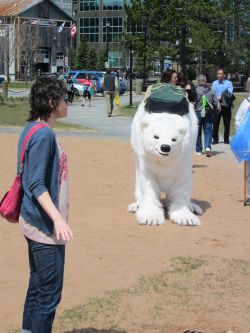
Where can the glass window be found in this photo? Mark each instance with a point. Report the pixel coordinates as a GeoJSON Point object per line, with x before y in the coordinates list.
{"type": "Point", "coordinates": [115, 58]}
{"type": "Point", "coordinates": [88, 5]}
{"type": "Point", "coordinates": [89, 27]}
{"type": "Point", "coordinates": [112, 4]}
{"type": "Point", "coordinates": [114, 31]}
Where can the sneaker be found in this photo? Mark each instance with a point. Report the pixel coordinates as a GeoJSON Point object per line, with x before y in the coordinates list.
{"type": "Point", "coordinates": [247, 202]}
{"type": "Point", "coordinates": [198, 153]}
{"type": "Point", "coordinates": [208, 152]}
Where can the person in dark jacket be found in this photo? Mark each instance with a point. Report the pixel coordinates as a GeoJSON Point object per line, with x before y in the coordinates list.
{"type": "Point", "coordinates": [44, 207]}
{"type": "Point", "coordinates": [204, 106]}
{"type": "Point", "coordinates": [188, 86]}
{"type": "Point", "coordinates": [110, 86]}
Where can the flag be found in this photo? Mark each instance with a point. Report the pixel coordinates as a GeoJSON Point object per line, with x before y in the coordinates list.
{"type": "Point", "coordinates": [61, 27]}
{"type": "Point", "coordinates": [73, 30]}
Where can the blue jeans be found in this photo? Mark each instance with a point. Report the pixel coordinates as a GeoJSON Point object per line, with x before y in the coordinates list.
{"type": "Point", "coordinates": [205, 123]}
{"type": "Point", "coordinates": [45, 286]}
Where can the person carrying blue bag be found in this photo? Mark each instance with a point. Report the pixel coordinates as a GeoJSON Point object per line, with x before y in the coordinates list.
{"type": "Point", "coordinates": [240, 143]}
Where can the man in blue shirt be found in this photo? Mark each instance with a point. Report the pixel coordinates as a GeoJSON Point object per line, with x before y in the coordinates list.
{"type": "Point", "coordinates": [224, 92]}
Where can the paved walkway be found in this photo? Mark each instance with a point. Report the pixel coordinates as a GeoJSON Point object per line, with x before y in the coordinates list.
{"type": "Point", "coordinates": [95, 117]}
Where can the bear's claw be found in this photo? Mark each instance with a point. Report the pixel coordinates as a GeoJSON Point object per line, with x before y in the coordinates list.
{"type": "Point", "coordinates": [150, 216]}
{"type": "Point", "coordinates": [132, 208]}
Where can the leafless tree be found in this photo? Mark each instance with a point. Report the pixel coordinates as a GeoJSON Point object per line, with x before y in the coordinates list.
{"type": "Point", "coordinates": [27, 43]}
{"type": "Point", "coordinates": [7, 47]}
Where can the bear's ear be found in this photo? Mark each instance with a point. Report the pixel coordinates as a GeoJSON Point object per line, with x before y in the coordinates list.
{"type": "Point", "coordinates": [144, 125]}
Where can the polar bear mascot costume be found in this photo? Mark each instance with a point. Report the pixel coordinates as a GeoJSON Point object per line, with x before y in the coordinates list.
{"type": "Point", "coordinates": [163, 137]}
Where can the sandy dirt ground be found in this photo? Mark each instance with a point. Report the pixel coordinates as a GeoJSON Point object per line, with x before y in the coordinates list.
{"type": "Point", "coordinates": [110, 249]}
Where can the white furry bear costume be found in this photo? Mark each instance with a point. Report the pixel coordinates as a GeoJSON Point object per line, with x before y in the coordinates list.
{"type": "Point", "coordinates": [163, 144]}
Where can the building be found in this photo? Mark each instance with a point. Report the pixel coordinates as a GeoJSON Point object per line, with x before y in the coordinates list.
{"type": "Point", "coordinates": [65, 5]}
{"type": "Point", "coordinates": [35, 36]}
{"type": "Point", "coordinates": [102, 22]}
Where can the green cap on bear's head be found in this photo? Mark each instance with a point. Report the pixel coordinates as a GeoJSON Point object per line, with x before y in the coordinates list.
{"type": "Point", "coordinates": [165, 97]}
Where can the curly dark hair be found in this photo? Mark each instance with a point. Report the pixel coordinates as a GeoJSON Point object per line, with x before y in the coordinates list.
{"type": "Point", "coordinates": [45, 89]}
{"type": "Point", "coordinates": [167, 75]}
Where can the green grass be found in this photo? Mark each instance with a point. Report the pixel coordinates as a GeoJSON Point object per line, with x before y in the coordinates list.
{"type": "Point", "coordinates": [19, 85]}
{"type": "Point", "coordinates": [128, 111]}
{"type": "Point", "coordinates": [239, 98]}
{"type": "Point", "coordinates": [14, 112]}
{"type": "Point", "coordinates": [158, 302]}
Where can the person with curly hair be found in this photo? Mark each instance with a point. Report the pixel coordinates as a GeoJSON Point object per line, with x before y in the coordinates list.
{"type": "Point", "coordinates": [44, 208]}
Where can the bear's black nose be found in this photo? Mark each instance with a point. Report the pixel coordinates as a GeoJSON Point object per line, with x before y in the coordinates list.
{"type": "Point", "coordinates": [165, 148]}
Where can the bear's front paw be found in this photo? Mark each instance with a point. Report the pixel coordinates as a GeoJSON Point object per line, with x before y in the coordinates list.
{"type": "Point", "coordinates": [184, 216]}
{"type": "Point", "coordinates": [132, 208]}
{"type": "Point", "coordinates": [150, 215]}
{"type": "Point", "coordinates": [196, 209]}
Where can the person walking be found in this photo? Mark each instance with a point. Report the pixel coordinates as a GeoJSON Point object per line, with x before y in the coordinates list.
{"type": "Point", "coordinates": [110, 86]}
{"type": "Point", "coordinates": [44, 207]}
{"type": "Point", "coordinates": [224, 93]}
{"type": "Point", "coordinates": [70, 90]}
{"type": "Point", "coordinates": [87, 90]}
{"type": "Point", "coordinates": [204, 106]}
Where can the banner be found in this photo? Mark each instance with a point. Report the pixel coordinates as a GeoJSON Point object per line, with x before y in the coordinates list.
{"type": "Point", "coordinates": [61, 27]}
{"type": "Point", "coordinates": [73, 30]}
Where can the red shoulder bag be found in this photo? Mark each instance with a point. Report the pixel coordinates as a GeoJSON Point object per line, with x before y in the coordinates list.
{"type": "Point", "coordinates": [11, 203]}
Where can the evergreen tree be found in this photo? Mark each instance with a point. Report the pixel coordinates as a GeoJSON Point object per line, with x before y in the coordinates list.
{"type": "Point", "coordinates": [73, 58]}
{"type": "Point", "coordinates": [92, 59]}
{"type": "Point", "coordinates": [102, 58]}
{"type": "Point", "coordinates": [82, 54]}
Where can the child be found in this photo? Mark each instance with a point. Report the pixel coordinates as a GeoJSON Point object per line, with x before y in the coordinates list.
{"type": "Point", "coordinates": [87, 90]}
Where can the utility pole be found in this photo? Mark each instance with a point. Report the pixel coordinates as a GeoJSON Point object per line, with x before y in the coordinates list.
{"type": "Point", "coordinates": [130, 74]}
{"type": "Point", "coordinates": [145, 50]}
{"type": "Point", "coordinates": [107, 39]}
{"type": "Point", "coordinates": [183, 49]}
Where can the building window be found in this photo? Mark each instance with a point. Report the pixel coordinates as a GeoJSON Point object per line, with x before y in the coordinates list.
{"type": "Point", "coordinates": [112, 4]}
{"type": "Point", "coordinates": [115, 58]}
{"type": "Point", "coordinates": [88, 5]}
{"type": "Point", "coordinates": [114, 31]}
{"type": "Point", "coordinates": [89, 27]}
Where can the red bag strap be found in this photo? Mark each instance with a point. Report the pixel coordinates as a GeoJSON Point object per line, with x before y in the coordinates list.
{"type": "Point", "coordinates": [28, 136]}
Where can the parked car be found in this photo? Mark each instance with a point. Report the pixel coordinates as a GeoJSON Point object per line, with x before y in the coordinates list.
{"type": "Point", "coordinates": [97, 77]}
{"type": "Point", "coordinates": [78, 76]}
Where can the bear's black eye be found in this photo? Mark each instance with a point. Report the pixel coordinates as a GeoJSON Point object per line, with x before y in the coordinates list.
{"type": "Point", "coordinates": [174, 140]}
{"type": "Point", "coordinates": [156, 137]}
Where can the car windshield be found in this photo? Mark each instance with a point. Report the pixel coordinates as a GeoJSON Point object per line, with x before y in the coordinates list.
{"type": "Point", "coordinates": [99, 74]}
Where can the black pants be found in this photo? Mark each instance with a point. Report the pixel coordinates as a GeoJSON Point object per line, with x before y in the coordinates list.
{"type": "Point", "coordinates": [226, 114]}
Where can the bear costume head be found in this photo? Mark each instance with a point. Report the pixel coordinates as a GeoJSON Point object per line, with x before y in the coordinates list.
{"type": "Point", "coordinates": [164, 134]}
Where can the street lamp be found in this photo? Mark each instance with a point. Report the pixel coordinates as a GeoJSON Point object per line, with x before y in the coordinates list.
{"type": "Point", "coordinates": [107, 38]}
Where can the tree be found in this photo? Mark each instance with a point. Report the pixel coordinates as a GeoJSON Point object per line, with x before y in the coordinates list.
{"type": "Point", "coordinates": [82, 54]}
{"type": "Point", "coordinates": [27, 43]}
{"type": "Point", "coordinates": [8, 47]}
{"type": "Point", "coordinates": [92, 59]}
{"type": "Point", "coordinates": [102, 58]}
{"type": "Point", "coordinates": [219, 30]}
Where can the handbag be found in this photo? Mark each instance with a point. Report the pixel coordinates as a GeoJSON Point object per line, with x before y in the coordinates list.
{"type": "Point", "coordinates": [11, 202]}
